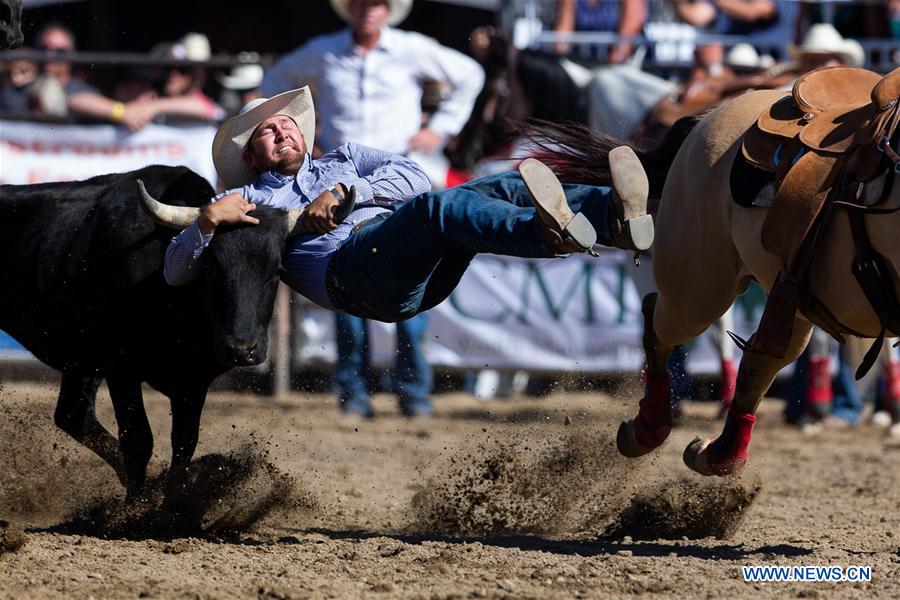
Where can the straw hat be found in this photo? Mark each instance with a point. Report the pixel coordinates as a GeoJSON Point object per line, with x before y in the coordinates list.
{"type": "Point", "coordinates": [399, 10]}
{"type": "Point", "coordinates": [824, 39]}
{"type": "Point", "coordinates": [234, 134]}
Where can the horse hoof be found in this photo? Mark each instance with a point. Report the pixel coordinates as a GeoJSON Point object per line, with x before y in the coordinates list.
{"type": "Point", "coordinates": [627, 443]}
{"type": "Point", "coordinates": [697, 458]}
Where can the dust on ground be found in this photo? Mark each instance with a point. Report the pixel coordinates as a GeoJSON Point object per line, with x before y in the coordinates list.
{"type": "Point", "coordinates": [519, 498]}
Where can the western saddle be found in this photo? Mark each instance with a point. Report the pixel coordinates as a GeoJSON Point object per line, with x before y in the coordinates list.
{"type": "Point", "coordinates": [827, 143]}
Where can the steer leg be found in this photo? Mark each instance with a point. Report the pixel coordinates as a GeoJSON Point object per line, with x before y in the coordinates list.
{"type": "Point", "coordinates": [185, 432]}
{"type": "Point", "coordinates": [653, 423]}
{"type": "Point", "coordinates": [75, 414]}
{"type": "Point", "coordinates": [727, 454]}
{"type": "Point", "coordinates": [135, 435]}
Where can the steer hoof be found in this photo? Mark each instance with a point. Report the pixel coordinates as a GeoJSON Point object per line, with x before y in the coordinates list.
{"type": "Point", "coordinates": [626, 441]}
{"type": "Point", "coordinates": [698, 457]}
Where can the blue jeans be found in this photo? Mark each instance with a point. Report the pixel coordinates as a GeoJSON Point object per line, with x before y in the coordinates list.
{"type": "Point", "coordinates": [411, 378]}
{"type": "Point", "coordinates": [394, 268]}
{"type": "Point", "coordinates": [846, 403]}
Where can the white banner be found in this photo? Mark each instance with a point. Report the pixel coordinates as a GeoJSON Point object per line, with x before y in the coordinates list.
{"type": "Point", "coordinates": [579, 314]}
{"type": "Point", "coordinates": [45, 152]}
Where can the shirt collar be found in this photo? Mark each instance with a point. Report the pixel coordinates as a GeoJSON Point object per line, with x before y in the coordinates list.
{"type": "Point", "coordinates": [386, 41]}
{"type": "Point", "coordinates": [274, 178]}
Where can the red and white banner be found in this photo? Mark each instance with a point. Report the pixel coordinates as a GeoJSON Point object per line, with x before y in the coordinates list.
{"type": "Point", "coordinates": [44, 152]}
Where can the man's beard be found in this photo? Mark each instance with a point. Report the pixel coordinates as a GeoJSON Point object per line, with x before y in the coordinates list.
{"type": "Point", "coordinates": [289, 163]}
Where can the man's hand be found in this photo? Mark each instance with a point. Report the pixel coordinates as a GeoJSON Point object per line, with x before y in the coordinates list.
{"type": "Point", "coordinates": [317, 218]}
{"type": "Point", "coordinates": [426, 140]}
{"type": "Point", "coordinates": [232, 208]}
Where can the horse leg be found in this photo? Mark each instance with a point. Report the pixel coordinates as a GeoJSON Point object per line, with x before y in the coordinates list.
{"type": "Point", "coordinates": [135, 435]}
{"type": "Point", "coordinates": [653, 423]}
{"type": "Point", "coordinates": [726, 353]}
{"type": "Point", "coordinates": [75, 414]}
{"type": "Point", "coordinates": [727, 454]}
{"type": "Point", "coordinates": [185, 432]}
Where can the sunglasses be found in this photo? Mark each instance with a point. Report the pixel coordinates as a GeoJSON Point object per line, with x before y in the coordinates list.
{"type": "Point", "coordinates": [55, 51]}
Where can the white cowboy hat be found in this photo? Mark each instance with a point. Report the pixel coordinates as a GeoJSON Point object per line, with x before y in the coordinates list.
{"type": "Point", "coordinates": [743, 56]}
{"type": "Point", "coordinates": [824, 39]}
{"type": "Point", "coordinates": [242, 77]}
{"type": "Point", "coordinates": [232, 137]}
{"type": "Point", "coordinates": [399, 10]}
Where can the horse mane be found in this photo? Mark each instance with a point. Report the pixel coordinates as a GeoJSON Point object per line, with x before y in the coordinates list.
{"type": "Point", "coordinates": [579, 154]}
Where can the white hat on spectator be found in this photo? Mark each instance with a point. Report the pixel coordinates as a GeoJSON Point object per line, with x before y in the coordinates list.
{"type": "Point", "coordinates": [234, 134]}
{"type": "Point", "coordinates": [193, 46]}
{"type": "Point", "coordinates": [242, 77]}
{"type": "Point", "coordinates": [824, 39]}
{"type": "Point", "coordinates": [743, 56]}
{"type": "Point", "coordinates": [399, 10]}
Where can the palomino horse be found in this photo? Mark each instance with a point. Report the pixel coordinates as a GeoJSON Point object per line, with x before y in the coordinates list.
{"type": "Point", "coordinates": [708, 249]}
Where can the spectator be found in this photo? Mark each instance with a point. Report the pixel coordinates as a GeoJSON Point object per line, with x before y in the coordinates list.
{"type": "Point", "coordinates": [181, 91]}
{"type": "Point", "coordinates": [817, 398]}
{"type": "Point", "coordinates": [764, 24]}
{"type": "Point", "coordinates": [25, 92]}
{"type": "Point", "coordinates": [624, 18]}
{"type": "Point", "coordinates": [239, 86]}
{"type": "Point", "coordinates": [368, 82]}
{"type": "Point", "coordinates": [823, 46]}
{"type": "Point", "coordinates": [82, 99]}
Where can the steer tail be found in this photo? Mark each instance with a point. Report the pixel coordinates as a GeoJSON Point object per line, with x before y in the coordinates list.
{"type": "Point", "coordinates": [579, 154]}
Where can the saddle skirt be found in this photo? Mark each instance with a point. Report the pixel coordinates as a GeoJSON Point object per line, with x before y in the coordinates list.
{"type": "Point", "coordinates": [828, 141]}
{"type": "Point", "coordinates": [824, 135]}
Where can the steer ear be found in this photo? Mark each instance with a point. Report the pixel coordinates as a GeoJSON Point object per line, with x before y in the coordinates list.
{"type": "Point", "coordinates": [173, 217]}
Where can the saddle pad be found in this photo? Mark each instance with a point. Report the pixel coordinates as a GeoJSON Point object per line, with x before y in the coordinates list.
{"type": "Point", "coordinates": [797, 204]}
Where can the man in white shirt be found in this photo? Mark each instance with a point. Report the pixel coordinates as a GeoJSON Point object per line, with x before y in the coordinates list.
{"type": "Point", "coordinates": [367, 80]}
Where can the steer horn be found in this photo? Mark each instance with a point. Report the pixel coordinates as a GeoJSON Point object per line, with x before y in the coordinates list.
{"type": "Point", "coordinates": [345, 206]}
{"type": "Point", "coordinates": [293, 218]}
{"type": "Point", "coordinates": [173, 217]}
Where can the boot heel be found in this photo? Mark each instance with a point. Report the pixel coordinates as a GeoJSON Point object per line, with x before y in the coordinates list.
{"type": "Point", "coordinates": [640, 232]}
{"type": "Point", "coordinates": [582, 232]}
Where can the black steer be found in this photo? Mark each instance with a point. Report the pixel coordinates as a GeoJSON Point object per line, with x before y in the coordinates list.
{"type": "Point", "coordinates": [81, 287]}
{"type": "Point", "coordinates": [10, 24]}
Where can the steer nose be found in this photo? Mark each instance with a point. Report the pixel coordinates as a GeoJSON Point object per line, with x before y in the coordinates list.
{"type": "Point", "coordinates": [243, 352]}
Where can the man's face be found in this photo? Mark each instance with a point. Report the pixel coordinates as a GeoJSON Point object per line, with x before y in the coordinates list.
{"type": "Point", "coordinates": [368, 16]}
{"type": "Point", "coordinates": [59, 42]}
{"type": "Point", "coordinates": [276, 145]}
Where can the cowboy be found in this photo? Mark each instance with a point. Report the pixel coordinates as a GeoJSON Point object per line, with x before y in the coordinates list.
{"type": "Point", "coordinates": [402, 249]}
{"type": "Point", "coordinates": [368, 81]}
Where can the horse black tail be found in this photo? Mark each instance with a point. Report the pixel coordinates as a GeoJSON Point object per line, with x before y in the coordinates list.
{"type": "Point", "coordinates": [579, 154]}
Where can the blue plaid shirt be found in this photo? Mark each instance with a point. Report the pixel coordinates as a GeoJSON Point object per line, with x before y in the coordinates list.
{"type": "Point", "coordinates": [382, 180]}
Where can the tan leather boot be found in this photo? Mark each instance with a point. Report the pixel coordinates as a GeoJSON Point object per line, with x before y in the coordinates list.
{"type": "Point", "coordinates": [630, 226]}
{"type": "Point", "coordinates": [561, 230]}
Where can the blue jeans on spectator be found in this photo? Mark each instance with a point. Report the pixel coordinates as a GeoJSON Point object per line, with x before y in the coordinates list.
{"type": "Point", "coordinates": [846, 403]}
{"type": "Point", "coordinates": [411, 378]}
{"type": "Point", "coordinates": [395, 267]}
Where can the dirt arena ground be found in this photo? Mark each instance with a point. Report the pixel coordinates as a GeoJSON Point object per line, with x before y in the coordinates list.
{"type": "Point", "coordinates": [519, 499]}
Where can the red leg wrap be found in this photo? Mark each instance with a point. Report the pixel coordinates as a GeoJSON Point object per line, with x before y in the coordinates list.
{"type": "Point", "coordinates": [654, 420]}
{"type": "Point", "coordinates": [729, 381]}
{"type": "Point", "coordinates": [728, 452]}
